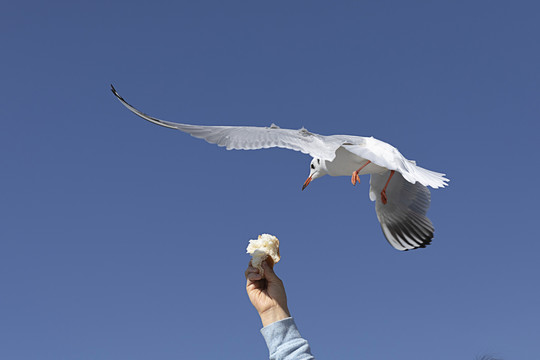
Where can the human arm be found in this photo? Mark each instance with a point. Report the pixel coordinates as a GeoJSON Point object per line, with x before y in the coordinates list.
{"type": "Point", "coordinates": [270, 300]}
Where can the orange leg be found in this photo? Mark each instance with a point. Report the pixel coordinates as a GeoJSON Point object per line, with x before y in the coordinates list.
{"type": "Point", "coordinates": [355, 176]}
{"type": "Point", "coordinates": [383, 192]}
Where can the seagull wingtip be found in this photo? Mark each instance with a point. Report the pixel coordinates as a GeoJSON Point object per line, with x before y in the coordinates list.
{"type": "Point", "coordinates": [113, 90]}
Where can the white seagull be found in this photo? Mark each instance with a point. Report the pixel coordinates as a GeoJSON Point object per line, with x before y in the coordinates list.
{"type": "Point", "coordinates": [397, 185]}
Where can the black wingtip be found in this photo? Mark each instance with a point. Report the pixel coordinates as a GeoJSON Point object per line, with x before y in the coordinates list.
{"type": "Point", "coordinates": [116, 93]}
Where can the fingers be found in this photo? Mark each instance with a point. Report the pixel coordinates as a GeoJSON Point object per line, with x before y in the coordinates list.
{"type": "Point", "coordinates": [252, 273]}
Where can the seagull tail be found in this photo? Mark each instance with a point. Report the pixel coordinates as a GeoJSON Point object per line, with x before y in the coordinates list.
{"type": "Point", "coordinates": [425, 177]}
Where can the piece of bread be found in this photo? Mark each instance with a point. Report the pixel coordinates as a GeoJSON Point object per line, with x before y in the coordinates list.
{"type": "Point", "coordinates": [266, 245]}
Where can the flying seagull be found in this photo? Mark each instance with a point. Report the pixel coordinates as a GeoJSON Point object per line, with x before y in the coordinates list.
{"type": "Point", "coordinates": [397, 185]}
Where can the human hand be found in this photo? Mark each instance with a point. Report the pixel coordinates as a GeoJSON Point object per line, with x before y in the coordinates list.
{"type": "Point", "coordinates": [267, 294]}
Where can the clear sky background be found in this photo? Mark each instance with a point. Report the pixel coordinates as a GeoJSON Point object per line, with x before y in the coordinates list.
{"type": "Point", "coordinates": [120, 239]}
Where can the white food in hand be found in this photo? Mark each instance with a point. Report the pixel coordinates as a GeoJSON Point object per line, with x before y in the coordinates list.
{"type": "Point", "coordinates": [266, 245]}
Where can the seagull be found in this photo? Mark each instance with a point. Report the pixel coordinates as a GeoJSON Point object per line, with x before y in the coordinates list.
{"type": "Point", "coordinates": [397, 185]}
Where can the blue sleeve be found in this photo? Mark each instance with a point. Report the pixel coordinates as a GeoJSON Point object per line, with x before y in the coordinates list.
{"type": "Point", "coordinates": [284, 341]}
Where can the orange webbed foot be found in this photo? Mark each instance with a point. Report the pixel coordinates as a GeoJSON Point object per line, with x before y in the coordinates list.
{"type": "Point", "coordinates": [355, 178]}
{"type": "Point", "coordinates": [384, 199]}
{"type": "Point", "coordinates": [383, 192]}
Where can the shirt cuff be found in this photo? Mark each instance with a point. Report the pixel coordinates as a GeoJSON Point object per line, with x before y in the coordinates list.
{"type": "Point", "coordinates": [280, 332]}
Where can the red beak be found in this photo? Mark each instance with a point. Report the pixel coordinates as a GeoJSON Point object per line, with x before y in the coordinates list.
{"type": "Point", "coordinates": [306, 183]}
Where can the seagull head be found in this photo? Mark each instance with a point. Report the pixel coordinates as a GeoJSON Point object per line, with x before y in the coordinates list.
{"type": "Point", "coordinates": [316, 170]}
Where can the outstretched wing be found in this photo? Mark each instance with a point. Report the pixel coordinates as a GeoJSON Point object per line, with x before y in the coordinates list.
{"type": "Point", "coordinates": [251, 137]}
{"type": "Point", "coordinates": [403, 218]}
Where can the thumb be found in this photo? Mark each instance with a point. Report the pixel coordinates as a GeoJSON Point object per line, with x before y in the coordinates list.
{"type": "Point", "coordinates": [269, 273]}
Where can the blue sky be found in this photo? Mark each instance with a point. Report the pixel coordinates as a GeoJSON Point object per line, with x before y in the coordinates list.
{"type": "Point", "coordinates": [124, 240]}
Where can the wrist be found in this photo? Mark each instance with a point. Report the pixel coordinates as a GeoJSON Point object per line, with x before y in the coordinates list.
{"type": "Point", "coordinates": [273, 314]}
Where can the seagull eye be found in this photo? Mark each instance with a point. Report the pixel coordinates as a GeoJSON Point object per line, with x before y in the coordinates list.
{"type": "Point", "coordinates": [312, 166]}
{"type": "Point", "coordinates": [319, 161]}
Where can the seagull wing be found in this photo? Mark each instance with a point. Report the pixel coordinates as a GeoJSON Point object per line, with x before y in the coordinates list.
{"type": "Point", "coordinates": [403, 218]}
{"type": "Point", "coordinates": [251, 137]}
